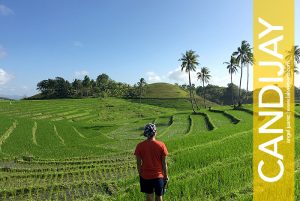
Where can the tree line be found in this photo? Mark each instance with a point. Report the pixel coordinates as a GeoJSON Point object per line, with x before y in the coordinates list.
{"type": "Point", "coordinates": [218, 94]}
{"type": "Point", "coordinates": [102, 86]}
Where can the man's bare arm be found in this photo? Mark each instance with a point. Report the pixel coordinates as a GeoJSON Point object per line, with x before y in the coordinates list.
{"type": "Point", "coordinates": [139, 164]}
{"type": "Point", "coordinates": [165, 167]}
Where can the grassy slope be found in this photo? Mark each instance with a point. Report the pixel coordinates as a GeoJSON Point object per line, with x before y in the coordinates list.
{"type": "Point", "coordinates": [170, 96]}
{"type": "Point", "coordinates": [165, 90]}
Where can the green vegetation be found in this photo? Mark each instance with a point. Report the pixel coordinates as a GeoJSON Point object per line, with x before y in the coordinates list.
{"type": "Point", "coordinates": [83, 149]}
{"type": "Point", "coordinates": [102, 86]}
{"type": "Point", "coordinates": [222, 95]}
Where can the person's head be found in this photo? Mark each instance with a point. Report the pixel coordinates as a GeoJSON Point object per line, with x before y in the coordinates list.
{"type": "Point", "coordinates": [150, 130]}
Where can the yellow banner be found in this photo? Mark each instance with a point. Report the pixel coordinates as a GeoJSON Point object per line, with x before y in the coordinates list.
{"type": "Point", "coordinates": [273, 119]}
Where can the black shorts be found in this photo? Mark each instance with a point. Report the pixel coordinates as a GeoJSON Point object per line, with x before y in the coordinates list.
{"type": "Point", "coordinates": [152, 185]}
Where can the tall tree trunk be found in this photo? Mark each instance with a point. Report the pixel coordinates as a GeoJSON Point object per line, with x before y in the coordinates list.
{"type": "Point", "coordinates": [247, 81]}
{"type": "Point", "coordinates": [191, 92]}
{"type": "Point", "coordinates": [204, 94]}
{"type": "Point", "coordinates": [240, 99]}
{"type": "Point", "coordinates": [195, 101]}
{"type": "Point", "coordinates": [232, 90]}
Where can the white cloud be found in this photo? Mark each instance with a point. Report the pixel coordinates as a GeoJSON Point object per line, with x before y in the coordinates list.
{"type": "Point", "coordinates": [153, 77]}
{"type": "Point", "coordinates": [81, 74]}
{"type": "Point", "coordinates": [3, 53]}
{"type": "Point", "coordinates": [77, 44]}
{"type": "Point", "coordinates": [177, 75]}
{"type": "Point", "coordinates": [4, 77]}
{"type": "Point", "coordinates": [181, 77]}
{"type": "Point", "coordinates": [5, 10]}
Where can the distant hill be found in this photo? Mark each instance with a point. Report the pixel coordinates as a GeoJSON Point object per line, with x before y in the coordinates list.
{"type": "Point", "coordinates": [10, 97]}
{"type": "Point", "coordinates": [38, 96]}
{"type": "Point", "coordinates": [3, 98]}
{"type": "Point", "coordinates": [165, 90]}
{"type": "Point", "coordinates": [170, 96]}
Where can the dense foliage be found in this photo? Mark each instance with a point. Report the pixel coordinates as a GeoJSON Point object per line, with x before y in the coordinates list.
{"type": "Point", "coordinates": [220, 95]}
{"type": "Point", "coordinates": [103, 86]}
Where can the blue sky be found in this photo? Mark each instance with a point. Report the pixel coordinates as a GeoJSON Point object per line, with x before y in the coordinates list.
{"type": "Point", "coordinates": [127, 39]}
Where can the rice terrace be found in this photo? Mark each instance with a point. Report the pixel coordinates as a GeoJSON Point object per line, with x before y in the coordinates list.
{"type": "Point", "coordinates": [104, 100]}
{"type": "Point", "coordinates": [82, 149]}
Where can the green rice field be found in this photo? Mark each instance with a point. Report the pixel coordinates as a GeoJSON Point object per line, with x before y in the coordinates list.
{"type": "Point", "coordinates": [83, 150]}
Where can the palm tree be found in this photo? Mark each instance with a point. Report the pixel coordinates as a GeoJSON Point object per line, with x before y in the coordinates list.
{"type": "Point", "coordinates": [232, 67]}
{"type": "Point", "coordinates": [141, 84]}
{"type": "Point", "coordinates": [249, 61]}
{"type": "Point", "coordinates": [242, 55]}
{"type": "Point", "coordinates": [295, 52]}
{"type": "Point", "coordinates": [189, 62]}
{"type": "Point", "coordinates": [204, 77]}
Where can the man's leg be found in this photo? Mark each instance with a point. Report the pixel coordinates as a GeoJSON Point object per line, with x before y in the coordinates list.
{"type": "Point", "coordinates": [149, 197]}
{"type": "Point", "coordinates": [158, 198]}
{"type": "Point", "coordinates": [159, 189]}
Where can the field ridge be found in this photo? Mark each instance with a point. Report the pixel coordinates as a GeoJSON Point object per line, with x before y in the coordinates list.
{"type": "Point", "coordinates": [210, 142]}
{"type": "Point", "coordinates": [80, 134]}
{"type": "Point", "coordinates": [209, 124]}
{"type": "Point", "coordinates": [246, 110]}
{"type": "Point", "coordinates": [34, 129]}
{"type": "Point", "coordinates": [196, 124]}
{"type": "Point", "coordinates": [60, 138]}
{"type": "Point", "coordinates": [9, 131]}
{"type": "Point", "coordinates": [232, 118]}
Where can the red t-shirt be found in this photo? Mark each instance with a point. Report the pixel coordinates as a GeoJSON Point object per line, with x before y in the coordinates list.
{"type": "Point", "coordinates": [151, 153]}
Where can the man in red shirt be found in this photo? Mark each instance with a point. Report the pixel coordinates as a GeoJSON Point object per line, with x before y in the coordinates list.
{"type": "Point", "coordinates": [151, 164]}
